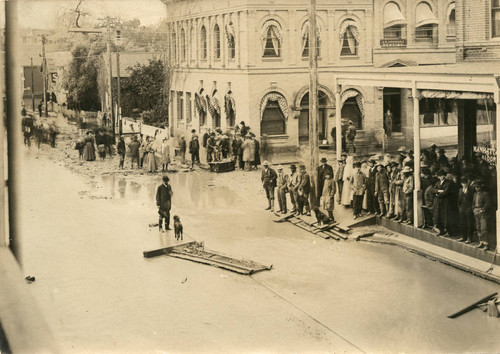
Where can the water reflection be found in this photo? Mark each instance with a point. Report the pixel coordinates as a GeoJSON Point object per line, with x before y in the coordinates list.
{"type": "Point", "coordinates": [191, 190]}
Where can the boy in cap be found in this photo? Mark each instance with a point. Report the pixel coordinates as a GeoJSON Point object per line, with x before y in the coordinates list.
{"type": "Point", "coordinates": [268, 179]}
{"type": "Point", "coordinates": [359, 187]}
{"type": "Point", "coordinates": [282, 185]}
{"type": "Point", "coordinates": [408, 186]}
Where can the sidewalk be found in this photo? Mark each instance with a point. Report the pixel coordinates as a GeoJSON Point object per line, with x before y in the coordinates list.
{"type": "Point", "coordinates": [480, 268]}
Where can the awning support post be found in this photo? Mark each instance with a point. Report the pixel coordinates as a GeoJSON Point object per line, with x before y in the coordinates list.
{"type": "Point", "coordinates": [497, 126]}
{"type": "Point", "coordinates": [338, 122]}
{"type": "Point", "coordinates": [417, 192]}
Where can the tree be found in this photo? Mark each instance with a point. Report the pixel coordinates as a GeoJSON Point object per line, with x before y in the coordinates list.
{"type": "Point", "coordinates": [145, 90]}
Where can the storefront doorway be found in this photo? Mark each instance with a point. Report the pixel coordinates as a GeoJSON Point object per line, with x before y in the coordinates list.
{"type": "Point", "coordinates": [392, 102]}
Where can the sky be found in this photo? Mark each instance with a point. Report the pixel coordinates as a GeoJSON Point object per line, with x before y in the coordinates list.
{"type": "Point", "coordinates": [41, 14]}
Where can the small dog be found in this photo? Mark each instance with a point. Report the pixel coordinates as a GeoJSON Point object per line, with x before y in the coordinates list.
{"type": "Point", "coordinates": [178, 228]}
{"type": "Point", "coordinates": [321, 218]}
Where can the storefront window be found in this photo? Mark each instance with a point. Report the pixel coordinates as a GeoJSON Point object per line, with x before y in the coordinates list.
{"type": "Point", "coordinates": [438, 112]}
{"type": "Point", "coordinates": [273, 121]}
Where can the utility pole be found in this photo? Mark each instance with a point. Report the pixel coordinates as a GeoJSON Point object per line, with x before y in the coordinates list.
{"type": "Point", "coordinates": [32, 86]}
{"type": "Point", "coordinates": [118, 96]}
{"type": "Point", "coordinates": [44, 69]}
{"type": "Point", "coordinates": [313, 104]}
{"type": "Point", "coordinates": [110, 90]}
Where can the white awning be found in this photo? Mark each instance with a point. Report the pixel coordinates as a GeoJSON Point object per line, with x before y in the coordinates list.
{"type": "Point", "coordinates": [461, 95]}
{"type": "Point", "coordinates": [274, 96]}
{"type": "Point", "coordinates": [425, 16]}
{"type": "Point", "coordinates": [354, 29]}
{"type": "Point", "coordinates": [393, 16]}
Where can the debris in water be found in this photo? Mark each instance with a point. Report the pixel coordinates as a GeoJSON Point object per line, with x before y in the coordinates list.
{"type": "Point", "coordinates": [29, 279]}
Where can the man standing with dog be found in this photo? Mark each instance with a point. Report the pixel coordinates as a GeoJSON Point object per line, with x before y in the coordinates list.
{"type": "Point", "coordinates": [164, 203]}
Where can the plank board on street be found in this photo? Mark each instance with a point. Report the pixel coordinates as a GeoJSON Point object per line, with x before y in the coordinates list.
{"type": "Point", "coordinates": [164, 250]}
{"type": "Point", "coordinates": [472, 306]}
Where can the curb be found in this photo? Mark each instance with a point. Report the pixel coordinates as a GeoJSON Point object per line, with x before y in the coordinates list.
{"type": "Point", "coordinates": [377, 238]}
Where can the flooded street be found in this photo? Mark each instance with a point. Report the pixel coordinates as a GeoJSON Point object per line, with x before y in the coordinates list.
{"type": "Point", "coordinates": [84, 242]}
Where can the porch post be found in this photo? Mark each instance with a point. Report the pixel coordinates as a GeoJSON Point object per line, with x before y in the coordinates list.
{"type": "Point", "coordinates": [417, 193]}
{"type": "Point", "coordinates": [338, 122]}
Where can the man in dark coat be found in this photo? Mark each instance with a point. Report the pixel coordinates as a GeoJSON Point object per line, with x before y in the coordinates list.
{"type": "Point", "coordinates": [256, 161]}
{"type": "Point", "coordinates": [304, 190]}
{"type": "Point", "coordinates": [351, 135]}
{"type": "Point", "coordinates": [268, 179]}
{"type": "Point", "coordinates": [323, 170]}
{"type": "Point", "coordinates": [164, 203]}
{"type": "Point", "coordinates": [464, 200]}
{"type": "Point", "coordinates": [339, 175]}
{"type": "Point", "coordinates": [370, 188]}
{"type": "Point", "coordinates": [382, 189]}
{"type": "Point", "coordinates": [134, 152]}
{"type": "Point", "coordinates": [182, 149]}
{"type": "Point", "coordinates": [442, 191]}
{"type": "Point", "coordinates": [194, 150]}
{"type": "Point", "coordinates": [211, 146]}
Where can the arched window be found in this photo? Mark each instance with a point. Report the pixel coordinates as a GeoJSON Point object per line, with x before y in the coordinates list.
{"type": "Point", "coordinates": [425, 21]}
{"type": "Point", "coordinates": [394, 25]}
{"type": "Point", "coordinates": [183, 45]}
{"type": "Point", "coordinates": [349, 38]}
{"type": "Point", "coordinates": [231, 43]}
{"type": "Point", "coordinates": [203, 42]}
{"type": "Point", "coordinates": [271, 39]}
{"type": "Point", "coordinates": [274, 112]}
{"type": "Point", "coordinates": [217, 41]}
{"type": "Point", "coordinates": [305, 40]}
{"type": "Point", "coordinates": [451, 26]}
{"type": "Point", "coordinates": [173, 45]}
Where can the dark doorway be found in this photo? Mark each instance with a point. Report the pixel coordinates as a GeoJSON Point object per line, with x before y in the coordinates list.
{"type": "Point", "coordinates": [392, 102]}
{"type": "Point", "coordinates": [304, 117]}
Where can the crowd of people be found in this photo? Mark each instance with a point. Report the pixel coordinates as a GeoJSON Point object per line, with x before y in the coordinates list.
{"type": "Point", "coordinates": [456, 195]}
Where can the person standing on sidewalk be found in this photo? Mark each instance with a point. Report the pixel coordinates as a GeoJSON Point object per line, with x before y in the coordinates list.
{"type": "Point", "coordinates": [134, 152]}
{"type": "Point", "coordinates": [328, 195]}
{"type": "Point", "coordinates": [480, 206]}
{"type": "Point", "coordinates": [408, 186]}
{"type": "Point", "coordinates": [304, 190]}
{"type": "Point", "coordinates": [323, 170]}
{"type": "Point", "coordinates": [358, 187]}
{"type": "Point", "coordinates": [382, 189]}
{"type": "Point", "coordinates": [164, 203]}
{"type": "Point", "coordinates": [293, 185]}
{"type": "Point", "coordinates": [268, 179]}
{"type": "Point", "coordinates": [339, 175]}
{"type": "Point", "coordinates": [388, 123]}
{"type": "Point", "coordinates": [465, 198]}
{"type": "Point", "coordinates": [282, 186]}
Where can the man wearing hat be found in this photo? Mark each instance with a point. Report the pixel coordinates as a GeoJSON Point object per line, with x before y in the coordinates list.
{"type": "Point", "coordinates": [293, 185]}
{"type": "Point", "coordinates": [464, 200]}
{"type": "Point", "coordinates": [370, 187]}
{"type": "Point", "coordinates": [382, 189]}
{"type": "Point", "coordinates": [339, 175]}
{"type": "Point", "coordinates": [408, 186]}
{"type": "Point", "coordinates": [323, 169]}
{"type": "Point", "coordinates": [439, 216]}
{"type": "Point", "coordinates": [268, 179]}
{"type": "Point", "coordinates": [358, 187]}
{"type": "Point", "coordinates": [304, 190]}
{"type": "Point", "coordinates": [164, 203]}
{"type": "Point", "coordinates": [282, 186]}
{"type": "Point", "coordinates": [351, 135]}
{"type": "Point", "coordinates": [480, 205]}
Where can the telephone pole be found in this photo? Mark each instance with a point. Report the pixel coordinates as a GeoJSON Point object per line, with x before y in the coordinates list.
{"type": "Point", "coordinates": [118, 96]}
{"type": "Point", "coordinates": [313, 103]}
{"type": "Point", "coordinates": [110, 88]}
{"type": "Point", "coordinates": [32, 86]}
{"type": "Point", "coordinates": [44, 72]}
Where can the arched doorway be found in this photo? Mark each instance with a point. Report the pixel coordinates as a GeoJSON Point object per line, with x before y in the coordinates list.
{"type": "Point", "coordinates": [304, 117]}
{"type": "Point", "coordinates": [352, 108]}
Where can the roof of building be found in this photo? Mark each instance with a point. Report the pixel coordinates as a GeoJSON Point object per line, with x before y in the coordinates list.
{"type": "Point", "coordinates": [129, 60]}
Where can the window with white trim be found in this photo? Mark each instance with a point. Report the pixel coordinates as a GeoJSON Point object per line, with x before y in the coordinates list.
{"type": "Point", "coordinates": [217, 41]}
{"type": "Point", "coordinates": [231, 43]}
{"type": "Point", "coordinates": [349, 38]}
{"type": "Point", "coordinates": [189, 113]}
{"type": "Point", "coordinates": [173, 44]}
{"type": "Point", "coordinates": [271, 39]}
{"type": "Point", "coordinates": [305, 41]}
{"type": "Point", "coordinates": [183, 45]}
{"type": "Point", "coordinates": [180, 105]}
{"type": "Point", "coordinates": [203, 42]}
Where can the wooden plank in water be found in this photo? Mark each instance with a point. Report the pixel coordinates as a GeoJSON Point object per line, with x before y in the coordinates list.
{"type": "Point", "coordinates": [162, 251]}
{"type": "Point", "coordinates": [283, 217]}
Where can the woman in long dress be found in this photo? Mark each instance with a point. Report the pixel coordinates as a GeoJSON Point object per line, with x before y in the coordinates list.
{"type": "Point", "coordinates": [89, 149]}
{"type": "Point", "coordinates": [151, 164]}
{"type": "Point", "coordinates": [165, 155]}
{"type": "Point", "coordinates": [348, 175]}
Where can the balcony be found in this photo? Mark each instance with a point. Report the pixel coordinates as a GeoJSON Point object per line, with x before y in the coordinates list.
{"type": "Point", "coordinates": [393, 42]}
